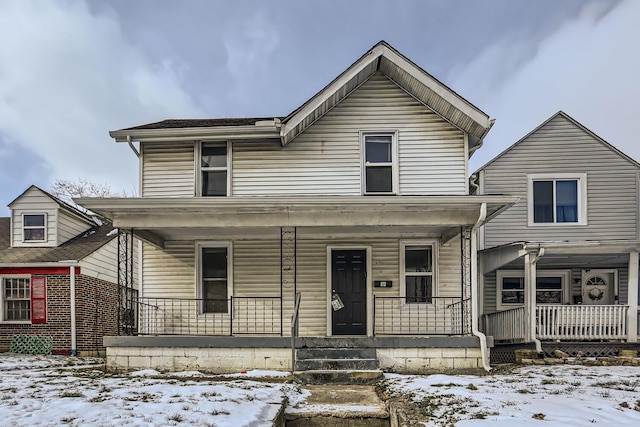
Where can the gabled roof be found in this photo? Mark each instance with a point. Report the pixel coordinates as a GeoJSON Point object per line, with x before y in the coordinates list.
{"type": "Point", "coordinates": [408, 76]}
{"type": "Point", "coordinates": [75, 249]}
{"type": "Point", "coordinates": [577, 124]}
{"type": "Point", "coordinates": [64, 205]}
{"type": "Point", "coordinates": [380, 58]}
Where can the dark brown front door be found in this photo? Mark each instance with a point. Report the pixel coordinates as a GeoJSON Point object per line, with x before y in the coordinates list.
{"type": "Point", "coordinates": [349, 282]}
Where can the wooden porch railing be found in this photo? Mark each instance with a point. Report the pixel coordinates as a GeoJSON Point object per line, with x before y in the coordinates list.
{"type": "Point", "coordinates": [508, 325]}
{"type": "Point", "coordinates": [581, 322]}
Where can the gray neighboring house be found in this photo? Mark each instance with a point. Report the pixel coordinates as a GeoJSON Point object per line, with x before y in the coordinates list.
{"type": "Point", "coordinates": [560, 267]}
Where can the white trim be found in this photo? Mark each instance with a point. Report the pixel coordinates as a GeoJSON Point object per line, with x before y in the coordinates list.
{"type": "Point", "coordinates": [199, 169]}
{"type": "Point", "coordinates": [46, 229]}
{"type": "Point", "coordinates": [14, 322]}
{"type": "Point", "coordinates": [564, 274]}
{"type": "Point", "coordinates": [198, 284]}
{"type": "Point", "coordinates": [466, 163]}
{"type": "Point", "coordinates": [369, 301]}
{"type": "Point", "coordinates": [581, 179]}
{"type": "Point", "coordinates": [395, 175]}
{"type": "Point", "coordinates": [402, 273]}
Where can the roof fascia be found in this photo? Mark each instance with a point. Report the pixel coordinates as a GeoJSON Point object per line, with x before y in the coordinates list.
{"type": "Point", "coordinates": [199, 133]}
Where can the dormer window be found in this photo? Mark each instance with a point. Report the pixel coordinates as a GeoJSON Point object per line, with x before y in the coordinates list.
{"type": "Point", "coordinates": [214, 169]}
{"type": "Point", "coordinates": [379, 174]}
{"type": "Point", "coordinates": [34, 227]}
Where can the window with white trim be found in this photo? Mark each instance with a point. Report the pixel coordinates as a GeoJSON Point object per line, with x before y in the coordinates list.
{"type": "Point", "coordinates": [16, 298]}
{"type": "Point", "coordinates": [550, 287]}
{"type": "Point", "coordinates": [557, 199]}
{"type": "Point", "coordinates": [214, 169]}
{"type": "Point", "coordinates": [215, 277]}
{"type": "Point", "coordinates": [417, 268]}
{"type": "Point", "coordinates": [379, 174]}
{"type": "Point", "coordinates": [34, 227]}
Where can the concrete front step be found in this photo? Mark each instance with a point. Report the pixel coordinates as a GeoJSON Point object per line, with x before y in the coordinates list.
{"type": "Point", "coordinates": [337, 364]}
{"type": "Point", "coordinates": [324, 376]}
{"type": "Point", "coordinates": [336, 353]}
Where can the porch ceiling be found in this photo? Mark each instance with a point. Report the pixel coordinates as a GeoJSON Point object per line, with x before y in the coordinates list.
{"type": "Point", "coordinates": [169, 217]}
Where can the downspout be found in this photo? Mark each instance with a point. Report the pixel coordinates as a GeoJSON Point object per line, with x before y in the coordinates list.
{"type": "Point", "coordinates": [474, 288]}
{"type": "Point", "coordinates": [133, 147]}
{"type": "Point", "coordinates": [534, 261]}
{"type": "Point", "coordinates": [72, 302]}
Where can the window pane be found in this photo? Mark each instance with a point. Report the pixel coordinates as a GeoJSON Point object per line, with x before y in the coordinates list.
{"type": "Point", "coordinates": [214, 183]}
{"type": "Point", "coordinates": [509, 283]}
{"type": "Point", "coordinates": [547, 297]}
{"type": "Point", "coordinates": [379, 179]}
{"type": "Point", "coordinates": [549, 283]}
{"type": "Point", "coordinates": [543, 201]}
{"type": "Point", "coordinates": [214, 156]}
{"type": "Point", "coordinates": [378, 149]}
{"type": "Point", "coordinates": [214, 263]}
{"type": "Point", "coordinates": [513, 297]}
{"type": "Point", "coordinates": [34, 220]}
{"type": "Point", "coordinates": [419, 289]}
{"type": "Point", "coordinates": [418, 259]}
{"type": "Point", "coordinates": [567, 201]}
{"type": "Point", "coordinates": [34, 234]}
{"type": "Point", "coordinates": [215, 296]}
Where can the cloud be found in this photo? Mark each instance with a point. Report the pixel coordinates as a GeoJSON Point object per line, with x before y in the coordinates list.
{"type": "Point", "coordinates": [68, 77]}
{"type": "Point", "coordinates": [588, 67]}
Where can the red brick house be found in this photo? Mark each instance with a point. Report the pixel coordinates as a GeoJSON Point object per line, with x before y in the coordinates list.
{"type": "Point", "coordinates": [58, 275]}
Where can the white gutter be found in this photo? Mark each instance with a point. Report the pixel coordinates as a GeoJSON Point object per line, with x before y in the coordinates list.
{"type": "Point", "coordinates": [72, 290]}
{"type": "Point", "coordinates": [133, 148]}
{"type": "Point", "coordinates": [474, 288]}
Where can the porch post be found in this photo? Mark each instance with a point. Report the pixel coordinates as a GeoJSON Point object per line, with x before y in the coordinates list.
{"type": "Point", "coordinates": [528, 333]}
{"type": "Point", "coordinates": [632, 299]}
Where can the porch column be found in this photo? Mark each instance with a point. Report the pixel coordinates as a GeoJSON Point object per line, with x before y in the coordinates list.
{"type": "Point", "coordinates": [632, 299]}
{"type": "Point", "coordinates": [529, 309]}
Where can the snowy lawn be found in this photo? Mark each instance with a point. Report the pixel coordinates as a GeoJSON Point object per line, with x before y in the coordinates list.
{"type": "Point", "coordinates": [544, 396]}
{"type": "Point", "coordinates": [53, 391]}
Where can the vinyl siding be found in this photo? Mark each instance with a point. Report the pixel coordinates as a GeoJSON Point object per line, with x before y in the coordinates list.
{"type": "Point", "coordinates": [34, 202]}
{"type": "Point", "coordinates": [103, 263]}
{"type": "Point", "coordinates": [168, 170]}
{"type": "Point", "coordinates": [69, 227]}
{"type": "Point", "coordinates": [325, 159]}
{"type": "Point", "coordinates": [171, 273]}
{"type": "Point", "coordinates": [562, 147]}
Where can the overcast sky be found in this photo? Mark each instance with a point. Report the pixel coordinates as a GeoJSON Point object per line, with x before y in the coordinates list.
{"type": "Point", "coordinates": [70, 71]}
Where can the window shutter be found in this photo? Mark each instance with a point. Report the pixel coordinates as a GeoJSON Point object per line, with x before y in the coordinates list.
{"type": "Point", "coordinates": [38, 299]}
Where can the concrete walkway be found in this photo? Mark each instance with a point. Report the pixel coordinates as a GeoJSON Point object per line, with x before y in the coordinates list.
{"type": "Point", "coordinates": [353, 404]}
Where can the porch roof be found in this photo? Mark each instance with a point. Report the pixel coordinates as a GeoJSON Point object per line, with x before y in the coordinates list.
{"type": "Point", "coordinates": [443, 214]}
{"type": "Point", "coordinates": [499, 256]}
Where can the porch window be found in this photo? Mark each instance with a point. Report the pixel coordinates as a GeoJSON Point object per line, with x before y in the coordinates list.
{"type": "Point", "coordinates": [16, 299]}
{"type": "Point", "coordinates": [557, 199]}
{"type": "Point", "coordinates": [379, 163]}
{"type": "Point", "coordinates": [549, 287]}
{"type": "Point", "coordinates": [215, 273]}
{"type": "Point", "coordinates": [34, 227]}
{"type": "Point", "coordinates": [214, 169]}
{"type": "Point", "coordinates": [418, 266]}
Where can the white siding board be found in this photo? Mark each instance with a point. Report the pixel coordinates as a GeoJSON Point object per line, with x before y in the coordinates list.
{"type": "Point", "coordinates": [103, 263]}
{"type": "Point", "coordinates": [168, 170]}
{"type": "Point", "coordinates": [562, 147]}
{"type": "Point", "coordinates": [69, 227]}
{"type": "Point", "coordinates": [34, 201]}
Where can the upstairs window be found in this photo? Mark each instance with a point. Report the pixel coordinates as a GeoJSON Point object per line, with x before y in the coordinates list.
{"type": "Point", "coordinates": [214, 169]}
{"type": "Point", "coordinates": [16, 299]}
{"type": "Point", "coordinates": [34, 228]}
{"type": "Point", "coordinates": [559, 199]}
{"type": "Point", "coordinates": [418, 269]}
{"type": "Point", "coordinates": [379, 163]}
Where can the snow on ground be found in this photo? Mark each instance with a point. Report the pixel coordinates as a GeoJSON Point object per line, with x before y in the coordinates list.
{"type": "Point", "coordinates": [35, 391]}
{"type": "Point", "coordinates": [564, 395]}
{"type": "Point", "coordinates": [56, 390]}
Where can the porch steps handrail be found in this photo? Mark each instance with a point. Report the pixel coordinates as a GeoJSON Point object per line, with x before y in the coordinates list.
{"type": "Point", "coordinates": [581, 322]}
{"type": "Point", "coordinates": [507, 325]}
{"type": "Point", "coordinates": [295, 323]}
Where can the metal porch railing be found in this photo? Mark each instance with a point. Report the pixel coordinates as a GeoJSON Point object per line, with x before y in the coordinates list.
{"type": "Point", "coordinates": [435, 316]}
{"type": "Point", "coordinates": [233, 316]}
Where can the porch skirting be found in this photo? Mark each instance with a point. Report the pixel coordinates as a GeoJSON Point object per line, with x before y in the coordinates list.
{"type": "Point", "coordinates": [236, 354]}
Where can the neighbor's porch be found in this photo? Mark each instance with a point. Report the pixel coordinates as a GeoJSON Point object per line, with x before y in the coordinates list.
{"type": "Point", "coordinates": [594, 297]}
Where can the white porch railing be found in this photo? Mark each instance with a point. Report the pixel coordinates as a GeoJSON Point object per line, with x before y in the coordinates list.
{"type": "Point", "coordinates": [581, 322]}
{"type": "Point", "coordinates": [505, 325]}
